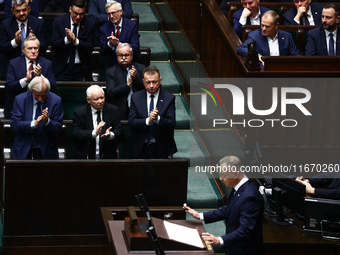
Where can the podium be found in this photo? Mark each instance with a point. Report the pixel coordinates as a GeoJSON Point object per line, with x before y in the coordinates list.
{"type": "Point", "coordinates": [126, 240]}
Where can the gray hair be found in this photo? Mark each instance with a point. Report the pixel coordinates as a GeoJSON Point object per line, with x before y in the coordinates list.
{"type": "Point", "coordinates": [121, 45]}
{"type": "Point", "coordinates": [37, 82]}
{"type": "Point", "coordinates": [19, 3]}
{"type": "Point", "coordinates": [118, 5]}
{"type": "Point", "coordinates": [91, 89]}
{"type": "Point", "coordinates": [276, 17]}
{"type": "Point", "coordinates": [232, 161]}
{"type": "Point", "coordinates": [30, 38]}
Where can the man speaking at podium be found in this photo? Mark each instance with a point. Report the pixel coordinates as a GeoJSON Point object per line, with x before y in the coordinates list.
{"type": "Point", "coordinates": [242, 214]}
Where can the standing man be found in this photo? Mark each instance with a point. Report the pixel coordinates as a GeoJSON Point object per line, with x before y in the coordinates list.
{"type": "Point", "coordinates": [152, 120]}
{"type": "Point", "coordinates": [270, 41]}
{"type": "Point", "coordinates": [37, 117]}
{"type": "Point", "coordinates": [72, 42]}
{"type": "Point", "coordinates": [325, 40]}
{"type": "Point", "coordinates": [124, 79]}
{"type": "Point", "coordinates": [96, 127]}
{"type": "Point", "coordinates": [242, 214]}
{"type": "Point", "coordinates": [304, 13]}
{"type": "Point", "coordinates": [250, 14]}
{"type": "Point", "coordinates": [14, 30]}
{"type": "Point", "coordinates": [23, 69]}
{"type": "Point", "coordinates": [98, 13]}
{"type": "Point", "coordinates": [116, 30]}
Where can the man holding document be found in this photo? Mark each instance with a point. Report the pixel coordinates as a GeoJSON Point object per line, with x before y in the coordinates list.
{"type": "Point", "coordinates": [242, 214]}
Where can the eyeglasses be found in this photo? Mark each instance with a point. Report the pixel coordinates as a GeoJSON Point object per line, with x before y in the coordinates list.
{"type": "Point", "coordinates": [112, 13]}
{"type": "Point", "coordinates": [124, 55]}
{"type": "Point", "coordinates": [78, 14]}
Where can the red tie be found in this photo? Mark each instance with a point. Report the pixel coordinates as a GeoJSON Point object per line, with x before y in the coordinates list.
{"type": "Point", "coordinates": [118, 32]}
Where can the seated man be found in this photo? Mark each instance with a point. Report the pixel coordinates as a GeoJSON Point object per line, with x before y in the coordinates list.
{"type": "Point", "coordinates": [34, 6]}
{"type": "Point", "coordinates": [73, 42]}
{"type": "Point", "coordinates": [23, 69]}
{"type": "Point", "coordinates": [124, 79]}
{"type": "Point", "coordinates": [152, 120]}
{"type": "Point", "coordinates": [270, 41]}
{"type": "Point", "coordinates": [96, 127]}
{"type": "Point", "coordinates": [37, 117]}
{"type": "Point", "coordinates": [243, 214]}
{"type": "Point", "coordinates": [250, 14]}
{"type": "Point", "coordinates": [116, 30]}
{"type": "Point", "coordinates": [98, 13]}
{"type": "Point", "coordinates": [14, 30]}
{"type": "Point", "coordinates": [331, 179]}
{"type": "Point", "coordinates": [325, 40]}
{"type": "Point", "coordinates": [304, 13]}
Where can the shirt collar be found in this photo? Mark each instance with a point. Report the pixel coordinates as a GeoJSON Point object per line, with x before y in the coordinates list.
{"type": "Point", "coordinates": [274, 39]}
{"type": "Point", "coordinates": [19, 23]}
{"type": "Point", "coordinates": [93, 111]}
{"type": "Point", "coordinates": [243, 181]}
{"type": "Point", "coordinates": [120, 23]}
{"type": "Point", "coordinates": [334, 33]}
{"type": "Point", "coordinates": [155, 95]}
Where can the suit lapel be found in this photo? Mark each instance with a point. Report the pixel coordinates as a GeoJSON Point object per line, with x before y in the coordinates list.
{"type": "Point", "coordinates": [338, 42]}
{"type": "Point", "coordinates": [280, 39]}
{"type": "Point", "coordinates": [22, 64]}
{"type": "Point", "coordinates": [143, 104]}
{"type": "Point", "coordinates": [323, 41]}
{"type": "Point", "coordinates": [236, 196]}
{"type": "Point", "coordinates": [89, 119]}
{"type": "Point", "coordinates": [29, 108]}
{"type": "Point", "coordinates": [160, 100]}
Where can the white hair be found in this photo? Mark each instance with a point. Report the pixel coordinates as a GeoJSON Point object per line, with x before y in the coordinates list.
{"type": "Point", "coordinates": [37, 82]}
{"type": "Point", "coordinates": [91, 89]}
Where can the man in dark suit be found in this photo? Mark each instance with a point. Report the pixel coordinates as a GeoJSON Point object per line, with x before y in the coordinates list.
{"type": "Point", "coordinates": [72, 42]}
{"type": "Point", "coordinates": [37, 117]}
{"type": "Point", "coordinates": [243, 213]}
{"type": "Point", "coordinates": [269, 40]}
{"type": "Point", "coordinates": [22, 69]}
{"type": "Point", "coordinates": [14, 30]}
{"type": "Point", "coordinates": [250, 14]}
{"type": "Point", "coordinates": [124, 79]}
{"type": "Point", "coordinates": [98, 13]}
{"type": "Point", "coordinates": [34, 6]}
{"type": "Point", "coordinates": [151, 119]}
{"type": "Point", "coordinates": [325, 40]}
{"type": "Point", "coordinates": [304, 13]}
{"type": "Point", "coordinates": [116, 30]}
{"type": "Point", "coordinates": [96, 127]}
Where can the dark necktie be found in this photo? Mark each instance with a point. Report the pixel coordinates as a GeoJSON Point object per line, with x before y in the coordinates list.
{"type": "Point", "coordinates": [231, 195]}
{"type": "Point", "coordinates": [23, 35]}
{"type": "Point", "coordinates": [331, 45]}
{"type": "Point", "coordinates": [98, 117]}
{"type": "Point", "coordinates": [118, 32]}
{"type": "Point", "coordinates": [305, 16]}
{"type": "Point", "coordinates": [150, 133]}
{"type": "Point", "coordinates": [38, 110]}
{"type": "Point", "coordinates": [32, 68]}
{"type": "Point", "coordinates": [73, 48]}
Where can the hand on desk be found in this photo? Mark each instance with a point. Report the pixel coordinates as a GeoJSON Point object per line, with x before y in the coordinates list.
{"type": "Point", "coordinates": [212, 240]}
{"type": "Point", "coordinates": [309, 188]}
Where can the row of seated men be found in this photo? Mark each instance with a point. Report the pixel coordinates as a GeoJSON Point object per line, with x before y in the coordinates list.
{"type": "Point", "coordinates": [37, 117]}
{"type": "Point", "coordinates": [271, 41]}
{"type": "Point", "coordinates": [72, 42]}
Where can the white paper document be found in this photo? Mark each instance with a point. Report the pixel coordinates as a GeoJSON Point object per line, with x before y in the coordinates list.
{"type": "Point", "coordinates": [183, 234]}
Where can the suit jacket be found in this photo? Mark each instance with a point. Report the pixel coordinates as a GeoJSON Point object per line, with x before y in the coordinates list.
{"type": "Point", "coordinates": [65, 3]}
{"type": "Point", "coordinates": [243, 216]}
{"type": "Point", "coordinates": [129, 34]}
{"type": "Point", "coordinates": [8, 29]}
{"type": "Point", "coordinates": [316, 42]}
{"type": "Point", "coordinates": [287, 46]}
{"type": "Point", "coordinates": [163, 132]}
{"type": "Point", "coordinates": [82, 132]}
{"type": "Point", "coordinates": [21, 124]}
{"type": "Point", "coordinates": [117, 89]}
{"type": "Point", "coordinates": [17, 70]}
{"type": "Point", "coordinates": [34, 8]}
{"type": "Point", "coordinates": [62, 51]}
{"type": "Point", "coordinates": [237, 15]}
{"type": "Point", "coordinates": [332, 179]}
{"type": "Point", "coordinates": [288, 16]}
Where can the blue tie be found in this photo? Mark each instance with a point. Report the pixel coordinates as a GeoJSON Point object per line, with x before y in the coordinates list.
{"type": "Point", "coordinates": [150, 133]}
{"type": "Point", "coordinates": [331, 45]}
{"type": "Point", "coordinates": [38, 110]}
{"type": "Point", "coordinates": [23, 35]}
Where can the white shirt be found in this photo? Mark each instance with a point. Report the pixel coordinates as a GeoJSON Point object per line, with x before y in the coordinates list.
{"type": "Point", "coordinates": [34, 111]}
{"type": "Point", "coordinates": [120, 25]}
{"type": "Point", "coordinates": [76, 59]}
{"type": "Point", "coordinates": [253, 21]}
{"type": "Point", "coordinates": [309, 16]}
{"type": "Point", "coordinates": [273, 45]}
{"type": "Point", "coordinates": [155, 100]}
{"type": "Point", "coordinates": [334, 39]}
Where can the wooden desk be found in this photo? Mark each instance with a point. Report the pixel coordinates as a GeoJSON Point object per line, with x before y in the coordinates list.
{"type": "Point", "coordinates": [294, 240]}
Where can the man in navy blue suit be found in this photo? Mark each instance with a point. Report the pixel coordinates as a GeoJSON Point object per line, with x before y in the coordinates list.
{"type": "Point", "coordinates": [325, 40]}
{"type": "Point", "coordinates": [304, 13]}
{"type": "Point", "coordinates": [243, 213]}
{"type": "Point", "coordinates": [15, 29]}
{"type": "Point", "coordinates": [73, 42]}
{"type": "Point", "coordinates": [116, 30]}
{"type": "Point", "coordinates": [22, 69]}
{"type": "Point", "coordinates": [37, 116]}
{"type": "Point", "coordinates": [269, 40]}
{"type": "Point", "coordinates": [124, 79]}
{"type": "Point", "coordinates": [152, 120]}
{"type": "Point", "coordinates": [250, 14]}
{"type": "Point", "coordinates": [98, 13]}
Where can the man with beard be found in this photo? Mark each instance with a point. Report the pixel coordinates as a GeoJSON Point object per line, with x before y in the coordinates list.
{"type": "Point", "coordinates": [325, 40]}
{"type": "Point", "coordinates": [124, 79]}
